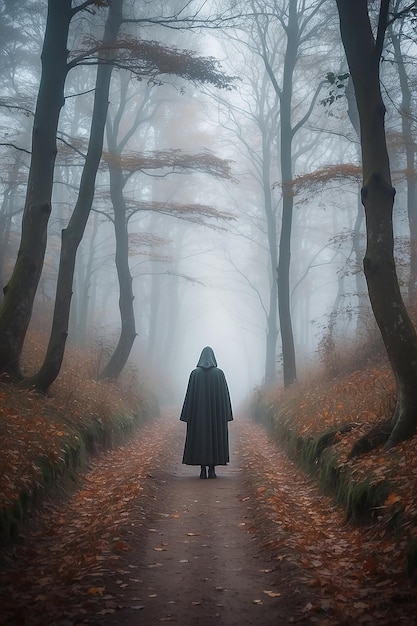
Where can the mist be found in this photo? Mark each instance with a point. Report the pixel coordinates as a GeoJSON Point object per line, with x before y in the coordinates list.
{"type": "Point", "coordinates": [203, 195]}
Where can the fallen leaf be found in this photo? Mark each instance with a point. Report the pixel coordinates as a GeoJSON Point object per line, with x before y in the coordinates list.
{"type": "Point", "coordinates": [272, 594]}
{"type": "Point", "coordinates": [96, 590]}
{"type": "Point", "coordinates": [393, 498]}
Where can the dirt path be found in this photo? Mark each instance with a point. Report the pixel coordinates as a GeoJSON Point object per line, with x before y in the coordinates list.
{"type": "Point", "coordinates": [201, 565]}
{"type": "Point", "coordinates": [143, 540]}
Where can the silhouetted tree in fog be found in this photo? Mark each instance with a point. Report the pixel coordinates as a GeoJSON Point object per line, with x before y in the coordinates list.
{"type": "Point", "coordinates": [299, 22]}
{"type": "Point", "coordinates": [252, 118]}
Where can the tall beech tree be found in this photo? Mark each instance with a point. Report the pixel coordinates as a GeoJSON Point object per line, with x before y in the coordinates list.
{"type": "Point", "coordinates": [363, 52]}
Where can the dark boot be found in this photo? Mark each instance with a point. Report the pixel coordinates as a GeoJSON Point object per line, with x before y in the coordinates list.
{"type": "Point", "coordinates": [211, 472]}
{"type": "Point", "coordinates": [203, 473]}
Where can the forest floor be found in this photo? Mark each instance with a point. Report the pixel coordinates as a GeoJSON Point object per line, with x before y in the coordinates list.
{"type": "Point", "coordinates": [142, 540]}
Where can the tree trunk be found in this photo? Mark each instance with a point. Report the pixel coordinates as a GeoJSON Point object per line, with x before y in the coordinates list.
{"type": "Point", "coordinates": [363, 302]}
{"type": "Point", "coordinates": [72, 235]}
{"type": "Point", "coordinates": [271, 335]}
{"type": "Point", "coordinates": [16, 309]}
{"type": "Point", "coordinates": [120, 355]}
{"type": "Point", "coordinates": [85, 282]}
{"type": "Point", "coordinates": [297, 20]}
{"type": "Point", "coordinates": [271, 224]}
{"type": "Point", "coordinates": [170, 312]}
{"type": "Point", "coordinates": [407, 123]}
{"type": "Point", "coordinates": [154, 308]}
{"type": "Point", "coordinates": [6, 214]}
{"type": "Point", "coordinates": [284, 257]}
{"type": "Point", "coordinates": [363, 54]}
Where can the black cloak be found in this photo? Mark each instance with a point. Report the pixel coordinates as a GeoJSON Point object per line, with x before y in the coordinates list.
{"type": "Point", "coordinates": [207, 410]}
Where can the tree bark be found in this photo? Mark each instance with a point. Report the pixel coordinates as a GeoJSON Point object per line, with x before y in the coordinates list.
{"type": "Point", "coordinates": [363, 53]}
{"type": "Point", "coordinates": [16, 309]}
{"type": "Point", "coordinates": [85, 286]}
{"type": "Point", "coordinates": [6, 216]}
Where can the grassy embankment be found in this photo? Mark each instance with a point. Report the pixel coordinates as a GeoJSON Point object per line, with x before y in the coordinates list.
{"type": "Point", "coordinates": [318, 420]}
{"type": "Point", "coordinates": [45, 441]}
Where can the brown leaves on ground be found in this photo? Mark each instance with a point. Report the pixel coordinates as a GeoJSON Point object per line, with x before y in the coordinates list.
{"type": "Point", "coordinates": [75, 561]}
{"type": "Point", "coordinates": [318, 405]}
{"type": "Point", "coordinates": [363, 397]}
{"type": "Point", "coordinates": [33, 426]}
{"type": "Point", "coordinates": [358, 572]}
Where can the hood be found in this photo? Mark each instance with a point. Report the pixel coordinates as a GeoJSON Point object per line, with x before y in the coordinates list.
{"type": "Point", "coordinates": [207, 358]}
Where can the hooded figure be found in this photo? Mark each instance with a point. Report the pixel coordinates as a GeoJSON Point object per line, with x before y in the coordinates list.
{"type": "Point", "coordinates": [207, 410]}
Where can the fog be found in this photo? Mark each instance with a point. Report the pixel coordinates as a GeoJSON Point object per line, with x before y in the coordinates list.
{"type": "Point", "coordinates": [201, 173]}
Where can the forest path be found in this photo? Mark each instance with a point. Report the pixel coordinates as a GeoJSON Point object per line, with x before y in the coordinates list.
{"type": "Point", "coordinates": [201, 564]}
{"type": "Point", "coordinates": [143, 540]}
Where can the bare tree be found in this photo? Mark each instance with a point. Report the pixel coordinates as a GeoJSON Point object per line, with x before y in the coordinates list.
{"type": "Point", "coordinates": [253, 121]}
{"type": "Point", "coordinates": [299, 22]}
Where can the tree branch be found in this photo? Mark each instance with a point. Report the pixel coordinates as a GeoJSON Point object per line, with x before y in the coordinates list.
{"type": "Point", "coordinates": [12, 145]}
{"type": "Point", "coordinates": [310, 108]}
{"type": "Point", "coordinates": [382, 27]}
{"type": "Point", "coordinates": [86, 4]}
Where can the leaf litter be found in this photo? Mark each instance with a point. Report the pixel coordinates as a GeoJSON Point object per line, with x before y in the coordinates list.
{"type": "Point", "coordinates": [78, 542]}
{"type": "Point", "coordinates": [357, 572]}
{"type": "Point", "coordinates": [73, 564]}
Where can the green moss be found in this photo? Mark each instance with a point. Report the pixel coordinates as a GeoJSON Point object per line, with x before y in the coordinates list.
{"type": "Point", "coordinates": [12, 515]}
{"type": "Point", "coordinates": [363, 498]}
{"type": "Point", "coordinates": [316, 456]}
